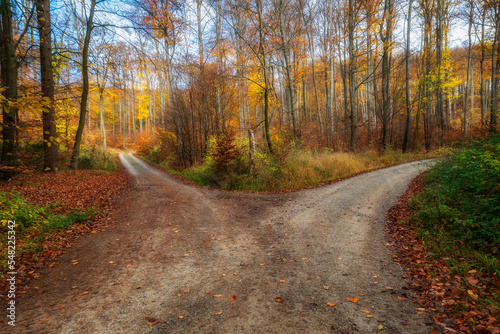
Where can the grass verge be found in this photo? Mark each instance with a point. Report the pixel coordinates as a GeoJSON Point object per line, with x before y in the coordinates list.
{"type": "Point", "coordinates": [299, 169]}
{"type": "Point", "coordinates": [33, 226]}
{"type": "Point", "coordinates": [447, 238]}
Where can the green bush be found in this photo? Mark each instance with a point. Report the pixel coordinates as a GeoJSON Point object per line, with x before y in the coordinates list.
{"type": "Point", "coordinates": [462, 196]}
{"type": "Point", "coordinates": [34, 224]}
{"type": "Point", "coordinates": [96, 158]}
{"type": "Point", "coordinates": [31, 217]}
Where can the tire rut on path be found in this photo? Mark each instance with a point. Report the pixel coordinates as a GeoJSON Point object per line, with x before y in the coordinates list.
{"type": "Point", "coordinates": [175, 248]}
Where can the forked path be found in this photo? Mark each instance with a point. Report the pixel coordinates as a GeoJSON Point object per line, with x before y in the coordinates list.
{"type": "Point", "coordinates": [178, 254]}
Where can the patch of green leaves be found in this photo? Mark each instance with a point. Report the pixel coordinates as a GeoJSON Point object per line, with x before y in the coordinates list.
{"type": "Point", "coordinates": [461, 202]}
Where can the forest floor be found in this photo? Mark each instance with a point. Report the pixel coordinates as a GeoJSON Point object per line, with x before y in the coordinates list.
{"type": "Point", "coordinates": [187, 259]}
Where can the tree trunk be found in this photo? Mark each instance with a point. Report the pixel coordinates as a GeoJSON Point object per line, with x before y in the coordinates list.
{"type": "Point", "coordinates": [50, 144]}
{"type": "Point", "coordinates": [85, 90]}
{"type": "Point", "coordinates": [289, 76]}
{"type": "Point", "coordinates": [439, 65]}
{"type": "Point", "coordinates": [469, 69]}
{"type": "Point", "coordinates": [101, 114]}
{"type": "Point", "coordinates": [386, 72]}
{"type": "Point", "coordinates": [406, 139]}
{"type": "Point", "coordinates": [9, 82]}
{"type": "Point", "coordinates": [263, 61]}
{"type": "Point", "coordinates": [351, 76]}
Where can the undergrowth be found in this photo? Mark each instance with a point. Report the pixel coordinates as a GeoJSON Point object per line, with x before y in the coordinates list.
{"type": "Point", "coordinates": [96, 157]}
{"type": "Point", "coordinates": [458, 213]}
{"type": "Point", "coordinates": [33, 224]}
{"type": "Point", "coordinates": [292, 170]}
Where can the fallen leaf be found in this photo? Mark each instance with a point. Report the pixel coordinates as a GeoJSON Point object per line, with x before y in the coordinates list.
{"type": "Point", "coordinates": [389, 288]}
{"type": "Point", "coordinates": [73, 264]}
{"type": "Point", "coordinates": [218, 313]}
{"type": "Point", "coordinates": [401, 298]}
{"type": "Point", "coordinates": [153, 323]}
{"type": "Point", "coordinates": [179, 295]}
{"type": "Point", "coordinates": [352, 299]}
{"type": "Point", "coordinates": [282, 281]}
{"type": "Point", "coordinates": [217, 296]}
{"type": "Point", "coordinates": [207, 291]}
{"type": "Point", "coordinates": [181, 317]}
{"type": "Point", "coordinates": [84, 293]}
{"type": "Point", "coordinates": [325, 287]}
{"type": "Point", "coordinates": [365, 311]}
{"type": "Point", "coordinates": [331, 304]}
{"type": "Point", "coordinates": [369, 316]}
{"type": "Point", "coordinates": [380, 327]}
{"type": "Point", "coordinates": [279, 300]}
{"type": "Point", "coordinates": [232, 298]}
{"type": "Point", "coordinates": [110, 262]}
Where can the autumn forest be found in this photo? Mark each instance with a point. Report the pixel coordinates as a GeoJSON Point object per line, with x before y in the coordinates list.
{"type": "Point", "coordinates": [345, 75]}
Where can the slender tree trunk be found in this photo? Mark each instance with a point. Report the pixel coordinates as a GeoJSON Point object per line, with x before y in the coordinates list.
{"type": "Point", "coordinates": [263, 61]}
{"type": "Point", "coordinates": [469, 69]}
{"type": "Point", "coordinates": [406, 139]}
{"type": "Point", "coordinates": [289, 75]}
{"type": "Point", "coordinates": [85, 90]}
{"type": "Point", "coordinates": [439, 65]}
{"type": "Point", "coordinates": [386, 72]}
{"type": "Point", "coordinates": [353, 116]}
{"type": "Point", "coordinates": [482, 70]}
{"type": "Point", "coordinates": [101, 114]}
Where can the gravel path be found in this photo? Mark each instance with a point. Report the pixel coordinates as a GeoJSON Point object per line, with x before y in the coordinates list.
{"type": "Point", "coordinates": [182, 259]}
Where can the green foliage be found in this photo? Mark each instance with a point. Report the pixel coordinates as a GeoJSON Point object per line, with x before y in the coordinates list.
{"type": "Point", "coordinates": [31, 217]}
{"type": "Point", "coordinates": [289, 168]}
{"type": "Point", "coordinates": [462, 196]}
{"type": "Point", "coordinates": [159, 152]}
{"type": "Point", "coordinates": [96, 158]}
{"type": "Point", "coordinates": [33, 224]}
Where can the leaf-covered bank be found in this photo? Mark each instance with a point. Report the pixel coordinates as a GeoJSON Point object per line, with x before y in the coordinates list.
{"type": "Point", "coordinates": [445, 232]}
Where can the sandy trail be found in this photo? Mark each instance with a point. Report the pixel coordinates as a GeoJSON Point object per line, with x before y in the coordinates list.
{"type": "Point", "coordinates": [173, 243]}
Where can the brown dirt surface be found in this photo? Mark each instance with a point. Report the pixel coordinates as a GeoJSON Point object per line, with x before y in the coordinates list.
{"type": "Point", "coordinates": [183, 259]}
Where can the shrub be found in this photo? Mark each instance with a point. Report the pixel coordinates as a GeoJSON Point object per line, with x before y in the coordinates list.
{"type": "Point", "coordinates": [462, 196]}
{"type": "Point", "coordinates": [96, 158]}
{"type": "Point", "coordinates": [33, 224]}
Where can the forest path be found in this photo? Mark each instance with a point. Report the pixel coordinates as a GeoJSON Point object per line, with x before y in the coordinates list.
{"type": "Point", "coordinates": [175, 248]}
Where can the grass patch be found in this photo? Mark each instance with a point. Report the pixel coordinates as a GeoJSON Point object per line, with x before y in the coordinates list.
{"type": "Point", "coordinates": [458, 213]}
{"type": "Point", "coordinates": [97, 158]}
{"type": "Point", "coordinates": [298, 169]}
{"type": "Point", "coordinates": [33, 224]}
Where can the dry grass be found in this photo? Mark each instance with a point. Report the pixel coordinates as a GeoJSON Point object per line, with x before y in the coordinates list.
{"type": "Point", "coordinates": [302, 169]}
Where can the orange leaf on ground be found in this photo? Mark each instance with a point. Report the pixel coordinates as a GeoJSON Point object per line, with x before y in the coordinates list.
{"type": "Point", "coordinates": [352, 299]}
{"type": "Point", "coordinates": [279, 300]}
{"type": "Point", "coordinates": [331, 304]}
{"type": "Point", "coordinates": [232, 298]}
{"type": "Point", "coordinates": [325, 287]}
{"type": "Point", "coordinates": [365, 311]}
{"type": "Point", "coordinates": [217, 296]}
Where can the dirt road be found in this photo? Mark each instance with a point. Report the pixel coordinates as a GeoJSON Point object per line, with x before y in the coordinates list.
{"type": "Point", "coordinates": [178, 254]}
